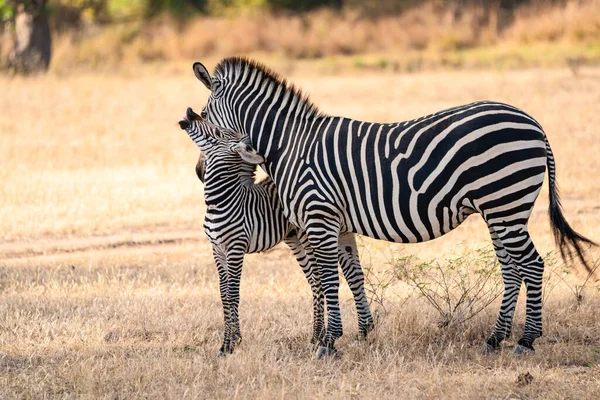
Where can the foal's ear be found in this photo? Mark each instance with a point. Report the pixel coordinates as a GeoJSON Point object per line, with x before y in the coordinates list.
{"type": "Point", "coordinates": [202, 74]}
{"type": "Point", "coordinates": [200, 168]}
{"type": "Point", "coordinates": [247, 153]}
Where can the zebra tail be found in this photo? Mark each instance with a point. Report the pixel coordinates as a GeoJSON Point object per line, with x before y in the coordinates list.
{"type": "Point", "coordinates": [568, 241]}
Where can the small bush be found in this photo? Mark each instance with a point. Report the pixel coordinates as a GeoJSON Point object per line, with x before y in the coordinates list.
{"type": "Point", "coordinates": [458, 288]}
{"type": "Point", "coordinates": [557, 273]}
{"type": "Point", "coordinates": [378, 281]}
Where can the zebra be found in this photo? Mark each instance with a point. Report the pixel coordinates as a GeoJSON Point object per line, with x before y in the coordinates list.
{"type": "Point", "coordinates": [404, 182]}
{"type": "Point", "coordinates": [246, 217]}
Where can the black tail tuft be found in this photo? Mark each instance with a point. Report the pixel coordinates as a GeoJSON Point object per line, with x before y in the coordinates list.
{"type": "Point", "coordinates": [568, 241]}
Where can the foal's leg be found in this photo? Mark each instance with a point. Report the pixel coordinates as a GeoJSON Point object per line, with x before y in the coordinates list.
{"type": "Point", "coordinates": [298, 243]}
{"type": "Point", "coordinates": [221, 262]}
{"type": "Point", "coordinates": [235, 261]}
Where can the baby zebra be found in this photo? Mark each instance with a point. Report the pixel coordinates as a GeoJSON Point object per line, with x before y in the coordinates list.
{"type": "Point", "coordinates": [246, 217]}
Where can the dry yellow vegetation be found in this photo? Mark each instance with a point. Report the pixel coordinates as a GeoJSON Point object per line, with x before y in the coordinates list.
{"type": "Point", "coordinates": [108, 289]}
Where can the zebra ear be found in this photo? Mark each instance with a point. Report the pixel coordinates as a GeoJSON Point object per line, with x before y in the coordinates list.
{"type": "Point", "coordinates": [247, 153]}
{"type": "Point", "coordinates": [202, 74]}
{"type": "Point", "coordinates": [200, 168]}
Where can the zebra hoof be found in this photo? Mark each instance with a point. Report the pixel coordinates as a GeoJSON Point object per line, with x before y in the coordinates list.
{"type": "Point", "coordinates": [224, 351]}
{"type": "Point", "coordinates": [363, 331]}
{"type": "Point", "coordinates": [313, 346]}
{"type": "Point", "coordinates": [489, 349]}
{"type": "Point", "coordinates": [323, 352]}
{"type": "Point", "coordinates": [360, 337]}
{"type": "Point", "coordinates": [520, 349]}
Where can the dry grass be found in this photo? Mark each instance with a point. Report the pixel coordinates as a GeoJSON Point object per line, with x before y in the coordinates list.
{"type": "Point", "coordinates": [107, 287]}
{"type": "Point", "coordinates": [424, 37]}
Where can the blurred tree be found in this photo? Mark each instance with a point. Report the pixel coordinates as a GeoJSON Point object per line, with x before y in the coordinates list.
{"type": "Point", "coordinates": [76, 14]}
{"type": "Point", "coordinates": [32, 47]}
{"type": "Point", "coordinates": [178, 8]}
{"type": "Point", "coordinates": [303, 5]}
{"type": "Point", "coordinates": [376, 8]}
{"type": "Point", "coordinates": [127, 9]}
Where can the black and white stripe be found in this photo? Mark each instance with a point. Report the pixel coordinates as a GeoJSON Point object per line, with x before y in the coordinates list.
{"type": "Point", "coordinates": [405, 182]}
{"type": "Point", "coordinates": [246, 217]}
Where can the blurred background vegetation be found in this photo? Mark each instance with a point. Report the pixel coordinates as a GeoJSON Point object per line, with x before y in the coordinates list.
{"type": "Point", "coordinates": [406, 35]}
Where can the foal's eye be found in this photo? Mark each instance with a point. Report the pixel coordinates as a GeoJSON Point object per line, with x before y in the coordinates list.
{"type": "Point", "coordinates": [203, 114]}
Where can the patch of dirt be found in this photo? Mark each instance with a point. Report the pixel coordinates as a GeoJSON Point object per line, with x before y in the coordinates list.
{"type": "Point", "coordinates": [18, 250]}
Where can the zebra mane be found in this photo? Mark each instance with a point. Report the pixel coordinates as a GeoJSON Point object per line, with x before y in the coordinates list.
{"type": "Point", "coordinates": [237, 66]}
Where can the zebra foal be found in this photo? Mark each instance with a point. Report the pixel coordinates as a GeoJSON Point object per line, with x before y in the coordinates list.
{"type": "Point", "coordinates": [404, 182]}
{"type": "Point", "coordinates": [246, 217]}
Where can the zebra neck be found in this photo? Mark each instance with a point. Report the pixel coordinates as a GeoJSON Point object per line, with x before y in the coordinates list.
{"type": "Point", "coordinates": [273, 118]}
{"type": "Point", "coordinates": [224, 176]}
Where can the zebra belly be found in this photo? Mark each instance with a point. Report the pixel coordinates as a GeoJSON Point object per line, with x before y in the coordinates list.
{"type": "Point", "coordinates": [258, 228]}
{"type": "Point", "coordinates": [266, 238]}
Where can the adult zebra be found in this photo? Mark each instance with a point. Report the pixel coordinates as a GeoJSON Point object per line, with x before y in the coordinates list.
{"type": "Point", "coordinates": [246, 217]}
{"type": "Point", "coordinates": [405, 182]}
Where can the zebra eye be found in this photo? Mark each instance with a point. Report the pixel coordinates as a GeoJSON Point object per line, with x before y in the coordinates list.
{"type": "Point", "coordinates": [203, 114]}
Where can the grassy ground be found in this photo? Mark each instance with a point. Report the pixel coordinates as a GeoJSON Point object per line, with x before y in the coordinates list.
{"type": "Point", "coordinates": [107, 287]}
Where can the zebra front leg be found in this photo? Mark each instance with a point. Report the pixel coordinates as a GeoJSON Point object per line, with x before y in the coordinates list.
{"type": "Point", "coordinates": [235, 261]}
{"type": "Point", "coordinates": [221, 262]}
{"type": "Point", "coordinates": [323, 237]}
{"type": "Point", "coordinates": [298, 243]}
{"type": "Point", "coordinates": [353, 273]}
{"type": "Point", "coordinates": [512, 285]}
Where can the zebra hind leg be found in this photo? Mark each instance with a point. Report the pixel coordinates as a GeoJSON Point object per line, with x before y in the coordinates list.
{"type": "Point", "coordinates": [521, 250]}
{"type": "Point", "coordinates": [353, 273]}
{"type": "Point", "coordinates": [512, 285]}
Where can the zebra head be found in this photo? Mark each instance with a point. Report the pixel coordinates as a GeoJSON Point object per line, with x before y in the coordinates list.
{"type": "Point", "coordinates": [254, 100]}
{"type": "Point", "coordinates": [213, 140]}
{"type": "Point", "coordinates": [220, 108]}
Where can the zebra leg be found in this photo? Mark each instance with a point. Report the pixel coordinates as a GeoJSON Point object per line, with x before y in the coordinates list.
{"type": "Point", "coordinates": [521, 250]}
{"type": "Point", "coordinates": [512, 285]}
{"type": "Point", "coordinates": [298, 243]}
{"type": "Point", "coordinates": [323, 236]}
{"type": "Point", "coordinates": [353, 273]}
{"type": "Point", "coordinates": [221, 262]}
{"type": "Point", "coordinates": [235, 261]}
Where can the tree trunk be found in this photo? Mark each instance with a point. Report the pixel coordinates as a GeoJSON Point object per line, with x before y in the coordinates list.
{"type": "Point", "coordinates": [32, 50]}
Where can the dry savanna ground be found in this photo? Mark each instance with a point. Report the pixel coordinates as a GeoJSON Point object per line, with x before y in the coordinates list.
{"type": "Point", "coordinates": [107, 286]}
